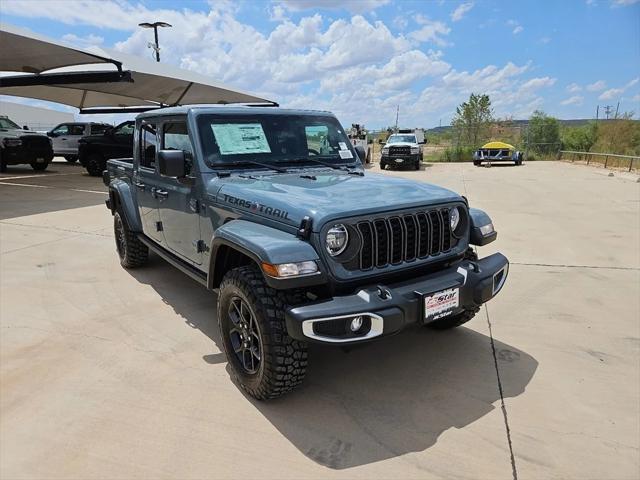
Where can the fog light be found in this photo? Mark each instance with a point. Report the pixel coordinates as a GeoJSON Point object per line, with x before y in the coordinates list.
{"type": "Point", "coordinates": [356, 324]}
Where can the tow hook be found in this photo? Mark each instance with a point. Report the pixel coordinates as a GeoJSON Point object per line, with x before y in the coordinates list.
{"type": "Point", "coordinates": [383, 293]}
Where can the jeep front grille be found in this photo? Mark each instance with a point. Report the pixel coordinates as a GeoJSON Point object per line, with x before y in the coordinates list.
{"type": "Point", "coordinates": [404, 238]}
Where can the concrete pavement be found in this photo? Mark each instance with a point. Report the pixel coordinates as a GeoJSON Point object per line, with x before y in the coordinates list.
{"type": "Point", "coordinates": [107, 373]}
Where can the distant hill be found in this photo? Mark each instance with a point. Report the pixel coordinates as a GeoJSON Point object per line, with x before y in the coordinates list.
{"type": "Point", "coordinates": [576, 122]}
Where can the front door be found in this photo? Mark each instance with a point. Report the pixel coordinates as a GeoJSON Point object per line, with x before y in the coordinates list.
{"type": "Point", "coordinates": [145, 181]}
{"type": "Point", "coordinates": [178, 204]}
{"type": "Point", "coordinates": [122, 145]}
{"type": "Point", "coordinates": [60, 139]}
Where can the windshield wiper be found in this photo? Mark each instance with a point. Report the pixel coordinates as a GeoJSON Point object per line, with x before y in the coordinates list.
{"type": "Point", "coordinates": [326, 164]}
{"type": "Point", "coordinates": [260, 164]}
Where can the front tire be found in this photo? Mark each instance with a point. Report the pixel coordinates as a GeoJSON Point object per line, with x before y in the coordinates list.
{"type": "Point", "coordinates": [132, 252]}
{"type": "Point", "coordinates": [39, 167]}
{"type": "Point", "coordinates": [265, 361]}
{"type": "Point", "coordinates": [3, 165]}
{"type": "Point", "coordinates": [95, 164]}
{"type": "Point", "coordinates": [71, 158]}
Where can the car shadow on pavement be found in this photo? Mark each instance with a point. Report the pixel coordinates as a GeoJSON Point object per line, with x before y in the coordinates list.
{"type": "Point", "coordinates": [376, 401]}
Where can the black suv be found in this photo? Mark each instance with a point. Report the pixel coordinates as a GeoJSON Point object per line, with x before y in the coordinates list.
{"type": "Point", "coordinates": [95, 150]}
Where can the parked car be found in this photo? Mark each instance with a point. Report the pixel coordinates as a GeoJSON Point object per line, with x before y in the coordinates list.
{"type": "Point", "coordinates": [115, 142]}
{"type": "Point", "coordinates": [401, 150]}
{"type": "Point", "coordinates": [65, 137]}
{"type": "Point", "coordinates": [21, 145]}
{"type": "Point", "coordinates": [240, 200]}
{"type": "Point", "coordinates": [497, 152]}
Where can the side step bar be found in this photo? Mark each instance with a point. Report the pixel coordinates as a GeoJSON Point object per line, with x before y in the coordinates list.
{"type": "Point", "coordinates": [177, 262]}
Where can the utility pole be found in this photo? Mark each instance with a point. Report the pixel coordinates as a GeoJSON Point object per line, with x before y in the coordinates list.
{"type": "Point", "coordinates": [397, 113]}
{"type": "Point", "coordinates": [155, 46]}
{"type": "Point", "coordinates": [607, 110]}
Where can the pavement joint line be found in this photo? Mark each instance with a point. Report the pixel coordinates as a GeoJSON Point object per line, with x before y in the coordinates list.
{"type": "Point", "coordinates": [49, 186]}
{"type": "Point", "coordinates": [2, 179]}
{"type": "Point", "coordinates": [595, 267]}
{"type": "Point", "coordinates": [49, 227]}
{"type": "Point", "coordinates": [503, 407]}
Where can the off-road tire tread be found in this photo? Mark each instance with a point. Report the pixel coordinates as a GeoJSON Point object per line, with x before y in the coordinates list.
{"type": "Point", "coordinates": [284, 358]}
{"type": "Point", "coordinates": [136, 252]}
{"type": "Point", "coordinates": [92, 164]}
{"type": "Point", "coordinates": [39, 167]}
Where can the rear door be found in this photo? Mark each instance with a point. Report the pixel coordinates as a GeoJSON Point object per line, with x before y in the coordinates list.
{"type": "Point", "coordinates": [178, 203]}
{"type": "Point", "coordinates": [145, 180]}
{"type": "Point", "coordinates": [76, 132]}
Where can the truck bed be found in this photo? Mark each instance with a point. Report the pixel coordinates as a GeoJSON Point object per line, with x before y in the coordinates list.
{"type": "Point", "coordinates": [121, 168]}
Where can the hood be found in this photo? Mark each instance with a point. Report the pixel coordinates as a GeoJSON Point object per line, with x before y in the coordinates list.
{"type": "Point", "coordinates": [19, 132]}
{"type": "Point", "coordinates": [402, 144]}
{"type": "Point", "coordinates": [289, 198]}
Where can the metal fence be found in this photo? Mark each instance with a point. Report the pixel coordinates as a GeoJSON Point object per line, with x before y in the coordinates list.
{"type": "Point", "coordinates": [606, 159]}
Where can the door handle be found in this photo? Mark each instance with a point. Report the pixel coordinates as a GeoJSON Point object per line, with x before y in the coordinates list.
{"type": "Point", "coordinates": [161, 193]}
{"type": "Point", "coordinates": [140, 185]}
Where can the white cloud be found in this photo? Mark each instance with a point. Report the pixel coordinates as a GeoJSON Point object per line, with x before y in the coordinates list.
{"type": "Point", "coordinates": [636, 98]}
{"type": "Point", "coordinates": [277, 13]}
{"type": "Point", "coordinates": [400, 22]}
{"type": "Point", "coordinates": [623, 3]}
{"type": "Point", "coordinates": [574, 100]}
{"type": "Point", "coordinates": [83, 42]}
{"type": "Point", "coordinates": [596, 86]}
{"type": "Point", "coordinates": [431, 31]}
{"type": "Point", "coordinates": [461, 11]}
{"type": "Point", "coordinates": [573, 88]}
{"type": "Point", "coordinates": [613, 93]}
{"type": "Point", "coordinates": [545, 40]}
{"type": "Point", "coordinates": [353, 6]}
{"type": "Point", "coordinates": [517, 30]}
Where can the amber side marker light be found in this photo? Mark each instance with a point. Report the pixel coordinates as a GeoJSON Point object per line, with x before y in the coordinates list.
{"type": "Point", "coordinates": [284, 270]}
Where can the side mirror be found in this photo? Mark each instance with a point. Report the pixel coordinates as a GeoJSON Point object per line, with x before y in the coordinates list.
{"type": "Point", "coordinates": [25, 127]}
{"type": "Point", "coordinates": [51, 134]}
{"type": "Point", "coordinates": [171, 163]}
{"type": "Point", "coordinates": [361, 153]}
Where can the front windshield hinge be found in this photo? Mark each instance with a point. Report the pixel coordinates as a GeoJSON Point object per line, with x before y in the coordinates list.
{"type": "Point", "coordinates": [223, 174]}
{"type": "Point", "coordinates": [306, 224]}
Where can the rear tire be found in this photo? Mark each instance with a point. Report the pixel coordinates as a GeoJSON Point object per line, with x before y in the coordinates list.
{"type": "Point", "coordinates": [417, 165]}
{"type": "Point", "coordinates": [39, 167]}
{"type": "Point", "coordinates": [476, 163]}
{"type": "Point", "coordinates": [383, 166]}
{"type": "Point", "coordinates": [71, 158]}
{"type": "Point", "coordinates": [132, 252]}
{"type": "Point", "coordinates": [95, 164]}
{"type": "Point", "coordinates": [265, 361]}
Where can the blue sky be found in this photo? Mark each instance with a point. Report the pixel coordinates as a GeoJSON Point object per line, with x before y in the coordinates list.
{"type": "Point", "coordinates": [361, 58]}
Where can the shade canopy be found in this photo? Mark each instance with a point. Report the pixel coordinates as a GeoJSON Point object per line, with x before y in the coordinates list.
{"type": "Point", "coordinates": [143, 83]}
{"type": "Point", "coordinates": [500, 145]}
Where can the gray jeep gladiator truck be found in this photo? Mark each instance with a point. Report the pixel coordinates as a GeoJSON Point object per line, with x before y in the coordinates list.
{"type": "Point", "coordinates": [272, 209]}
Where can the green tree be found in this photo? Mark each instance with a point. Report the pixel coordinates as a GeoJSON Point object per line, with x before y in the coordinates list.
{"type": "Point", "coordinates": [544, 133]}
{"type": "Point", "coordinates": [473, 119]}
{"type": "Point", "coordinates": [580, 139]}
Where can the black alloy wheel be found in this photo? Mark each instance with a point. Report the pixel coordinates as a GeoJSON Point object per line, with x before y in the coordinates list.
{"type": "Point", "coordinates": [244, 335]}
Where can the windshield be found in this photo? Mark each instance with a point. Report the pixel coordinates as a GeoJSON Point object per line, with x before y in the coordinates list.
{"type": "Point", "coordinates": [402, 139]}
{"type": "Point", "coordinates": [273, 139]}
{"type": "Point", "coordinates": [8, 124]}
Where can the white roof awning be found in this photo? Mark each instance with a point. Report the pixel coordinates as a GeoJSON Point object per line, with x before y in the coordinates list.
{"type": "Point", "coordinates": [108, 79]}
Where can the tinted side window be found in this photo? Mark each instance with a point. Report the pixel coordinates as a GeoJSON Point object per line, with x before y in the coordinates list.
{"type": "Point", "coordinates": [175, 137]}
{"type": "Point", "coordinates": [125, 129]}
{"type": "Point", "coordinates": [148, 144]}
{"type": "Point", "coordinates": [76, 129]}
{"type": "Point", "coordinates": [98, 129]}
{"type": "Point", "coordinates": [61, 130]}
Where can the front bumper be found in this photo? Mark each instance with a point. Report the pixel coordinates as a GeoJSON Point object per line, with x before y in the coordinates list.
{"type": "Point", "coordinates": [20, 154]}
{"type": "Point", "coordinates": [391, 308]}
{"type": "Point", "coordinates": [400, 159]}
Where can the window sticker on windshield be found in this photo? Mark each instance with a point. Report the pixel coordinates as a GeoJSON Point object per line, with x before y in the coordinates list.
{"type": "Point", "coordinates": [344, 154]}
{"type": "Point", "coordinates": [240, 138]}
{"type": "Point", "coordinates": [343, 146]}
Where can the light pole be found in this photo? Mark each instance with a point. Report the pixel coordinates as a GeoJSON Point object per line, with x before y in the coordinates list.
{"type": "Point", "coordinates": [155, 25]}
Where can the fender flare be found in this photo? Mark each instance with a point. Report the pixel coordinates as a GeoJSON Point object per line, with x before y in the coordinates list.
{"type": "Point", "coordinates": [479, 218]}
{"type": "Point", "coordinates": [121, 196]}
{"type": "Point", "coordinates": [264, 244]}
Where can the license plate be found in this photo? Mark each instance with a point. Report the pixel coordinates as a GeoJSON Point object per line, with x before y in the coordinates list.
{"type": "Point", "coordinates": [399, 160]}
{"type": "Point", "coordinates": [441, 304]}
{"type": "Point", "coordinates": [40, 160]}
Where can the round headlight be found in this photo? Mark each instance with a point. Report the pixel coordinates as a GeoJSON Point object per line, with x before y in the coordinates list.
{"type": "Point", "coordinates": [454, 218]}
{"type": "Point", "coordinates": [337, 239]}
